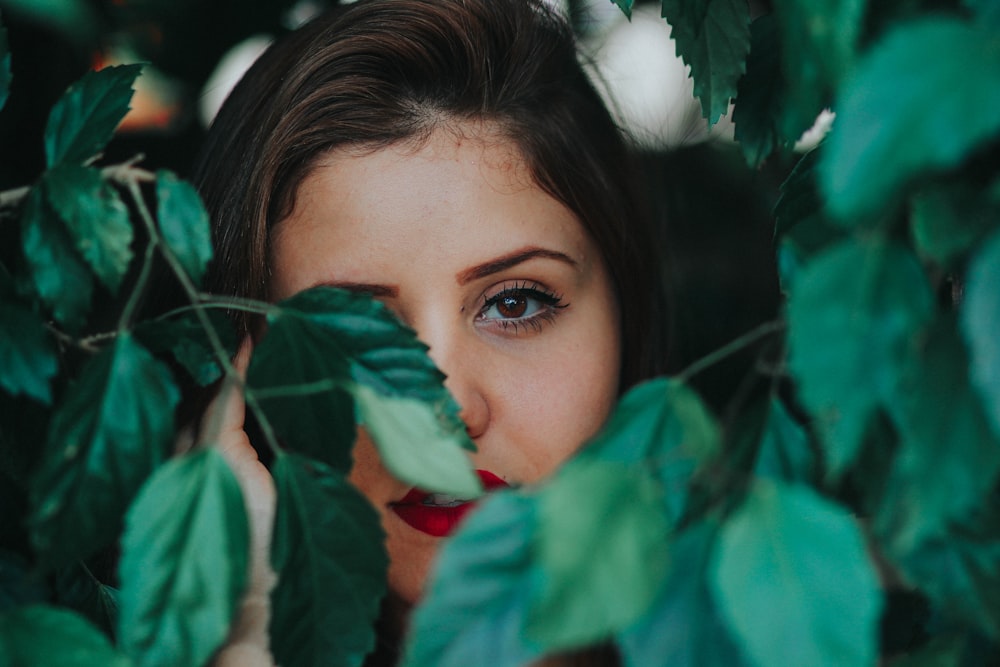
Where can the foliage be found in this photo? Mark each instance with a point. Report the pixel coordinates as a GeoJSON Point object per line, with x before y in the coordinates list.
{"type": "Point", "coordinates": [769, 533]}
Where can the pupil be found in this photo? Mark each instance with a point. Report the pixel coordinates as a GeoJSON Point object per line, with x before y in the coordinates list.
{"type": "Point", "coordinates": [512, 306]}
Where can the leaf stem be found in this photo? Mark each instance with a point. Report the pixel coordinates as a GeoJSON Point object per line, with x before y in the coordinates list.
{"type": "Point", "coordinates": [731, 348]}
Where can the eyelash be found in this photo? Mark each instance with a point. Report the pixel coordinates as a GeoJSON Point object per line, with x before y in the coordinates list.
{"type": "Point", "coordinates": [550, 305]}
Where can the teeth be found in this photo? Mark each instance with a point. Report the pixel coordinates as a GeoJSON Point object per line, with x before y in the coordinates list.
{"type": "Point", "coordinates": [444, 500]}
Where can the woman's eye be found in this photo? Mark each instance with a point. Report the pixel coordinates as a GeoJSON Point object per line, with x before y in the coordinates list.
{"type": "Point", "coordinates": [521, 304]}
{"type": "Point", "coordinates": [512, 306]}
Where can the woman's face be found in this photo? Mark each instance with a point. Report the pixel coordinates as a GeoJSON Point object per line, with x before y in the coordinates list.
{"type": "Point", "coordinates": [498, 279]}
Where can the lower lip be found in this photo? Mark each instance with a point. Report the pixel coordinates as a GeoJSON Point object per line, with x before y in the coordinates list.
{"type": "Point", "coordinates": [436, 520]}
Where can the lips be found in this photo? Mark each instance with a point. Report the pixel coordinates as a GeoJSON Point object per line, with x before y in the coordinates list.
{"type": "Point", "coordinates": [437, 514]}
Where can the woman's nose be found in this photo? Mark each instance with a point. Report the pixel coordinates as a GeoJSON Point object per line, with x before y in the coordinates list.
{"type": "Point", "coordinates": [464, 379]}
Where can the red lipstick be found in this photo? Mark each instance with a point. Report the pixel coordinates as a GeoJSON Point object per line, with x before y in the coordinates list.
{"type": "Point", "coordinates": [435, 513]}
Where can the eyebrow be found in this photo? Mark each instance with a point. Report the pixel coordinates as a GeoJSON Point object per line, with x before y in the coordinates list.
{"type": "Point", "coordinates": [507, 261]}
{"type": "Point", "coordinates": [370, 289]}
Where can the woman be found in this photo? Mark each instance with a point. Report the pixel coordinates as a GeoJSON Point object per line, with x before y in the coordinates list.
{"type": "Point", "coordinates": [452, 159]}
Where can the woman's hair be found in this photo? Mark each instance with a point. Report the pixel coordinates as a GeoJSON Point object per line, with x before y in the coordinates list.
{"type": "Point", "coordinates": [378, 72]}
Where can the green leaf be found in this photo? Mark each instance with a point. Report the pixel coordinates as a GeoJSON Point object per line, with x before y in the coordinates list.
{"type": "Point", "coordinates": [27, 352]}
{"type": "Point", "coordinates": [987, 11]}
{"type": "Point", "coordinates": [5, 74]}
{"type": "Point", "coordinates": [475, 609]}
{"type": "Point", "coordinates": [184, 223]}
{"type": "Point", "coordinates": [74, 18]}
{"type": "Point", "coordinates": [603, 546]}
{"type": "Point", "coordinates": [113, 428]}
{"type": "Point", "coordinates": [20, 584]}
{"type": "Point", "coordinates": [58, 272]}
{"type": "Point", "coordinates": [85, 117]}
{"type": "Point", "coordinates": [785, 453]}
{"type": "Point", "coordinates": [948, 220]}
{"type": "Point", "coordinates": [96, 218]}
{"type": "Point", "coordinates": [714, 42]}
{"type": "Point", "coordinates": [625, 6]}
{"type": "Point", "coordinates": [948, 458]}
{"type": "Point", "coordinates": [980, 319]}
{"type": "Point", "coordinates": [853, 315]}
{"type": "Point", "coordinates": [184, 562]}
{"type": "Point", "coordinates": [878, 145]}
{"type": "Point", "coordinates": [328, 550]}
{"type": "Point", "coordinates": [184, 337]}
{"type": "Point", "coordinates": [683, 627]}
{"type": "Point", "coordinates": [41, 635]}
{"type": "Point", "coordinates": [79, 590]}
{"type": "Point", "coordinates": [760, 94]}
{"type": "Point", "coordinates": [793, 580]}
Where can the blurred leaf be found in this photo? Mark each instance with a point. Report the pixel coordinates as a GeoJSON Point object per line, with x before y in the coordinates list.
{"type": "Point", "coordinates": [948, 459]}
{"type": "Point", "coordinates": [987, 11]}
{"type": "Point", "coordinates": [603, 546]}
{"type": "Point", "coordinates": [183, 336]}
{"type": "Point", "coordinates": [714, 42]}
{"type": "Point", "coordinates": [74, 18]}
{"type": "Point", "coordinates": [58, 272]}
{"type": "Point", "coordinates": [96, 218]}
{"type": "Point", "coordinates": [184, 223]}
{"type": "Point", "coordinates": [27, 352]}
{"type": "Point", "coordinates": [85, 117]}
{"type": "Point", "coordinates": [785, 453]}
{"type": "Point", "coordinates": [852, 318]}
{"type": "Point", "coordinates": [980, 313]}
{"type": "Point", "coordinates": [41, 635]}
{"type": "Point", "coordinates": [793, 580]}
{"type": "Point", "coordinates": [683, 628]}
{"type": "Point", "coordinates": [113, 428]}
{"type": "Point", "coordinates": [878, 144]}
{"type": "Point", "coordinates": [79, 590]}
{"type": "Point", "coordinates": [947, 220]}
{"type": "Point", "coordinates": [184, 562]}
{"type": "Point", "coordinates": [328, 550]}
{"type": "Point", "coordinates": [476, 606]}
{"type": "Point", "coordinates": [760, 94]}
{"type": "Point", "coordinates": [946, 650]}
{"type": "Point", "coordinates": [5, 74]}
{"type": "Point", "coordinates": [20, 584]}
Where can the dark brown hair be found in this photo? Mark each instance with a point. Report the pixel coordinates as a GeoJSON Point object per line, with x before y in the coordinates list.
{"type": "Point", "coordinates": [379, 72]}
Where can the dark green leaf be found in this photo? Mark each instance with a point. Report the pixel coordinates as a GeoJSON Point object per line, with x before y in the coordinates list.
{"type": "Point", "coordinates": [58, 272]}
{"type": "Point", "coordinates": [603, 546]}
{"type": "Point", "coordinates": [986, 11]}
{"type": "Point", "coordinates": [683, 628]}
{"type": "Point", "coordinates": [79, 590]}
{"type": "Point", "coordinates": [74, 18]}
{"type": "Point", "coordinates": [878, 144]}
{"type": "Point", "coordinates": [5, 75]}
{"type": "Point", "coordinates": [980, 323]}
{"type": "Point", "coordinates": [949, 458]}
{"type": "Point", "coordinates": [793, 580]}
{"type": "Point", "coordinates": [111, 430]}
{"type": "Point", "coordinates": [714, 42]}
{"type": "Point", "coordinates": [85, 117]}
{"type": "Point", "coordinates": [760, 94]}
{"type": "Point", "coordinates": [948, 220]}
{"type": "Point", "coordinates": [27, 352]}
{"type": "Point", "coordinates": [20, 585]}
{"type": "Point", "coordinates": [476, 607]}
{"type": "Point", "coordinates": [785, 453]}
{"type": "Point", "coordinates": [184, 337]}
{"type": "Point", "coordinates": [40, 635]}
{"type": "Point", "coordinates": [184, 562]}
{"type": "Point", "coordinates": [96, 218]}
{"type": "Point", "coordinates": [853, 315]}
{"type": "Point", "coordinates": [184, 223]}
{"type": "Point", "coordinates": [328, 552]}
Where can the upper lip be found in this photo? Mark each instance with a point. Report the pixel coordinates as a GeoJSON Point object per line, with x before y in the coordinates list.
{"type": "Point", "coordinates": [420, 497]}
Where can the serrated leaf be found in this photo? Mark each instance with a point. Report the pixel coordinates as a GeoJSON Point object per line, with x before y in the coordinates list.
{"type": "Point", "coordinates": [5, 74]}
{"type": "Point", "coordinates": [760, 94]}
{"type": "Point", "coordinates": [184, 223]}
{"type": "Point", "coordinates": [603, 547]}
{"type": "Point", "coordinates": [42, 635]}
{"type": "Point", "coordinates": [714, 43]}
{"type": "Point", "coordinates": [96, 218]}
{"type": "Point", "coordinates": [112, 429]}
{"type": "Point", "coordinates": [683, 628]}
{"type": "Point", "coordinates": [328, 550]}
{"type": "Point", "coordinates": [853, 314]}
{"type": "Point", "coordinates": [785, 453]}
{"type": "Point", "coordinates": [948, 459]}
{"type": "Point", "coordinates": [948, 220]}
{"type": "Point", "coordinates": [85, 117]}
{"type": "Point", "coordinates": [58, 272]}
{"type": "Point", "coordinates": [793, 581]}
{"type": "Point", "coordinates": [27, 353]}
{"type": "Point", "coordinates": [878, 145]}
{"type": "Point", "coordinates": [184, 562]}
{"type": "Point", "coordinates": [184, 337]}
{"type": "Point", "coordinates": [980, 319]}
{"type": "Point", "coordinates": [476, 606]}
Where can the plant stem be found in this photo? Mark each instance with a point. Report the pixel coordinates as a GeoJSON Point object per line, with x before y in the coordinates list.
{"type": "Point", "coordinates": [730, 348]}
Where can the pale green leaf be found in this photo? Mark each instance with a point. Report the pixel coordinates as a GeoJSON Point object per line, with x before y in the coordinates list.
{"type": "Point", "coordinates": [328, 551]}
{"type": "Point", "coordinates": [947, 69]}
{"type": "Point", "coordinates": [5, 75]}
{"type": "Point", "coordinates": [59, 274]}
{"type": "Point", "coordinates": [85, 117]}
{"type": "Point", "coordinates": [793, 580]}
{"type": "Point", "coordinates": [113, 427]}
{"type": "Point", "coordinates": [27, 352]}
{"type": "Point", "coordinates": [42, 636]}
{"type": "Point", "coordinates": [980, 313]}
{"type": "Point", "coordinates": [96, 217]}
{"type": "Point", "coordinates": [714, 43]}
{"type": "Point", "coordinates": [853, 315]}
{"type": "Point", "coordinates": [683, 628]}
{"type": "Point", "coordinates": [184, 223]}
{"type": "Point", "coordinates": [475, 610]}
{"type": "Point", "coordinates": [184, 562]}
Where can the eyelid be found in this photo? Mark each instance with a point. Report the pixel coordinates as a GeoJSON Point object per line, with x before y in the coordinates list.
{"type": "Point", "coordinates": [551, 303]}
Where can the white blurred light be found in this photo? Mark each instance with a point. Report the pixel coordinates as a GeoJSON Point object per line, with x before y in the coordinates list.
{"type": "Point", "coordinates": [227, 74]}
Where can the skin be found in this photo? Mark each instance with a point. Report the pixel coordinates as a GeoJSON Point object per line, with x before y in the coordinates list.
{"type": "Point", "coordinates": [434, 229]}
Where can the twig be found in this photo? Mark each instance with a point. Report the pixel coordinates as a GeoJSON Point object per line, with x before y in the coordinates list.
{"type": "Point", "coordinates": [734, 346]}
